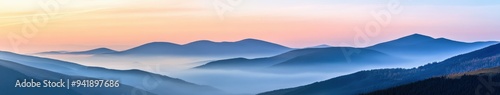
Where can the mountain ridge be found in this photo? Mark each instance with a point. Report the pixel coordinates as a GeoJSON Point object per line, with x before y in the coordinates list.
{"type": "Point", "coordinates": [19, 71]}
{"type": "Point", "coordinates": [372, 80]}
{"type": "Point", "coordinates": [133, 78]}
{"type": "Point", "coordinates": [86, 52]}
{"type": "Point", "coordinates": [468, 83]}
{"type": "Point", "coordinates": [426, 48]}
{"type": "Point", "coordinates": [407, 49]}
{"type": "Point", "coordinates": [206, 48]}
{"type": "Point", "coordinates": [304, 59]}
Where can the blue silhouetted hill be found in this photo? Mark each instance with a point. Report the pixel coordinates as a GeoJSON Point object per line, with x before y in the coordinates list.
{"type": "Point", "coordinates": [143, 81]}
{"type": "Point", "coordinates": [87, 52]}
{"type": "Point", "coordinates": [206, 48]}
{"type": "Point", "coordinates": [419, 46]}
{"type": "Point", "coordinates": [309, 59]}
{"type": "Point", "coordinates": [372, 80]}
{"type": "Point", "coordinates": [470, 83]}
{"type": "Point", "coordinates": [12, 72]}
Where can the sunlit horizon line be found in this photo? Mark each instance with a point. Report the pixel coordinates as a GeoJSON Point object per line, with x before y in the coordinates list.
{"type": "Point", "coordinates": [298, 25]}
{"type": "Point", "coordinates": [227, 41]}
{"type": "Point", "coordinates": [131, 46]}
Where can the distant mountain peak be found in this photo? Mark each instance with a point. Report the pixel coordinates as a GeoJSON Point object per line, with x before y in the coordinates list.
{"type": "Point", "coordinates": [95, 51]}
{"type": "Point", "coordinates": [321, 46]}
{"type": "Point", "coordinates": [6, 52]}
{"type": "Point", "coordinates": [248, 40]}
{"type": "Point", "coordinates": [201, 42]}
{"type": "Point", "coordinates": [445, 40]}
{"type": "Point", "coordinates": [252, 40]}
{"type": "Point", "coordinates": [205, 41]}
{"type": "Point", "coordinates": [417, 37]}
{"type": "Point", "coordinates": [102, 49]}
{"type": "Point", "coordinates": [408, 40]}
{"type": "Point", "coordinates": [248, 47]}
{"type": "Point", "coordinates": [87, 52]}
{"type": "Point", "coordinates": [380, 79]}
{"type": "Point", "coordinates": [158, 43]}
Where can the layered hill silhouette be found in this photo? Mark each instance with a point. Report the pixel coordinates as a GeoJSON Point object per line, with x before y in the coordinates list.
{"type": "Point", "coordinates": [206, 48]}
{"type": "Point", "coordinates": [321, 46]}
{"type": "Point", "coordinates": [308, 59]}
{"type": "Point", "coordinates": [372, 80]}
{"type": "Point", "coordinates": [418, 46]}
{"type": "Point", "coordinates": [15, 71]}
{"type": "Point", "coordinates": [412, 48]}
{"type": "Point", "coordinates": [480, 82]}
{"type": "Point", "coordinates": [87, 52]}
{"type": "Point", "coordinates": [143, 81]}
{"type": "Point", "coordinates": [202, 48]}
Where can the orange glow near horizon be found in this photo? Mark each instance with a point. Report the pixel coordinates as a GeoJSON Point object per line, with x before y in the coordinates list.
{"type": "Point", "coordinates": [123, 24]}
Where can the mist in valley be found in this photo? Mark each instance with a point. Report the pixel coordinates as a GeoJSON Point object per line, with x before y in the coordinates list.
{"type": "Point", "coordinates": [231, 81]}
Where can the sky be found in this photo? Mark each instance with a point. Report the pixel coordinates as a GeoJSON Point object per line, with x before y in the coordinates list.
{"type": "Point", "coordinates": [29, 26]}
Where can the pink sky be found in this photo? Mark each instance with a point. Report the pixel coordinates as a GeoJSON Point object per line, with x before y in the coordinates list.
{"type": "Point", "coordinates": [123, 24]}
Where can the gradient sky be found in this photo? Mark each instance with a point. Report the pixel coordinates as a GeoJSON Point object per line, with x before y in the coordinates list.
{"type": "Point", "coordinates": [123, 24]}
